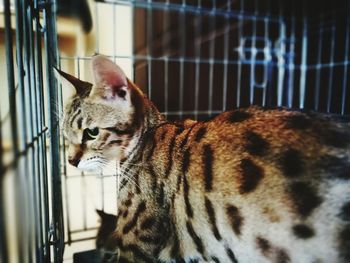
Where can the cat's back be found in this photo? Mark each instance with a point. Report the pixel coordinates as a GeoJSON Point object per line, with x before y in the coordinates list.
{"type": "Point", "coordinates": [272, 184]}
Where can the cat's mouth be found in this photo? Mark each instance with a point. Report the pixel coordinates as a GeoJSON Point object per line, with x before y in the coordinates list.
{"type": "Point", "coordinates": [92, 164]}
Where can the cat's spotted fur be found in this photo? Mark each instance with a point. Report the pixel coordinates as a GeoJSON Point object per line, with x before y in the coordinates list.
{"type": "Point", "coordinates": [251, 185]}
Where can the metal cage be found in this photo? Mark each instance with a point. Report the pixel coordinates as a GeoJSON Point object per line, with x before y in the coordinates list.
{"type": "Point", "coordinates": [198, 58]}
{"type": "Point", "coordinates": [31, 221]}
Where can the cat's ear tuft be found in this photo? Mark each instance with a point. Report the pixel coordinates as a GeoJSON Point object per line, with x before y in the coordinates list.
{"type": "Point", "coordinates": [82, 88]}
{"type": "Point", "coordinates": [101, 213]}
{"type": "Point", "coordinates": [109, 77]}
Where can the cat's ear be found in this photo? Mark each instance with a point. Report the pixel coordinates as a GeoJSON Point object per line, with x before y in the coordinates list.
{"type": "Point", "coordinates": [100, 213]}
{"type": "Point", "coordinates": [82, 88]}
{"type": "Point", "coordinates": [105, 217]}
{"type": "Point", "coordinates": [111, 81]}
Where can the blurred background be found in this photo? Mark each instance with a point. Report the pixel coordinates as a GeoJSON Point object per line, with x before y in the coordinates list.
{"type": "Point", "coordinates": [193, 58]}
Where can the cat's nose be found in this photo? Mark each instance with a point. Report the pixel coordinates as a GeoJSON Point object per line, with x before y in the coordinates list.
{"type": "Point", "coordinates": [74, 161]}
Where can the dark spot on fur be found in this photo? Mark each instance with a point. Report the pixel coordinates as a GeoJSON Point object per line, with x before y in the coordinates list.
{"type": "Point", "coordinates": [282, 256]}
{"type": "Point", "coordinates": [208, 167]}
{"type": "Point", "coordinates": [303, 231]}
{"type": "Point", "coordinates": [263, 245]}
{"type": "Point", "coordinates": [80, 122]}
{"type": "Point", "coordinates": [122, 259]}
{"type": "Point", "coordinates": [125, 213]}
{"type": "Point", "coordinates": [127, 202]}
{"type": "Point", "coordinates": [179, 129]}
{"type": "Point", "coordinates": [256, 145]}
{"type": "Point", "coordinates": [200, 134]}
{"type": "Point", "coordinates": [212, 218]}
{"type": "Point", "coordinates": [298, 122]}
{"type": "Point", "coordinates": [189, 210]}
{"type": "Point", "coordinates": [186, 161]}
{"type": "Point", "coordinates": [148, 223]}
{"type": "Point", "coordinates": [250, 177]}
{"type": "Point", "coordinates": [138, 252]}
{"type": "Point", "coordinates": [305, 198]}
{"type": "Point", "coordinates": [345, 212]}
{"type": "Point", "coordinates": [344, 242]}
{"type": "Point", "coordinates": [162, 135]}
{"type": "Point", "coordinates": [137, 188]}
{"type": "Point", "coordinates": [235, 218]}
{"type": "Point", "coordinates": [231, 255]}
{"type": "Point", "coordinates": [186, 137]}
{"type": "Point", "coordinates": [132, 223]}
{"type": "Point", "coordinates": [170, 156]}
{"type": "Point", "coordinates": [150, 239]}
{"type": "Point", "coordinates": [239, 116]}
{"type": "Point", "coordinates": [196, 239]}
{"type": "Point", "coordinates": [339, 139]}
{"type": "Point", "coordinates": [118, 142]}
{"type": "Point", "coordinates": [292, 163]}
{"type": "Point", "coordinates": [175, 247]}
{"type": "Point", "coordinates": [335, 167]}
{"type": "Point", "coordinates": [161, 198]}
{"type": "Point", "coordinates": [215, 259]}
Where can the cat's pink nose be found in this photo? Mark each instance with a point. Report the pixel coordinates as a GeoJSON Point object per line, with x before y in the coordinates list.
{"type": "Point", "coordinates": [74, 162]}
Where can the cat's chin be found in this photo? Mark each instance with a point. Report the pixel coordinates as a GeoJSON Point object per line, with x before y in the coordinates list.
{"type": "Point", "coordinates": [91, 166]}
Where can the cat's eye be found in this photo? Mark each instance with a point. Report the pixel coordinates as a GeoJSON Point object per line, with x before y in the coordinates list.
{"type": "Point", "coordinates": [90, 134]}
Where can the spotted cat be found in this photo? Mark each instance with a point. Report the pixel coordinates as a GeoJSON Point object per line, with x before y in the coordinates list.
{"type": "Point", "coordinates": [251, 185]}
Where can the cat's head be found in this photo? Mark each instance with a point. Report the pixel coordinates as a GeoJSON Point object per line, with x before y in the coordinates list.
{"type": "Point", "coordinates": [105, 244]}
{"type": "Point", "coordinates": [104, 121]}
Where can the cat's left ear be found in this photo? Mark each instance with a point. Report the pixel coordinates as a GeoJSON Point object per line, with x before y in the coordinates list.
{"type": "Point", "coordinates": [111, 81]}
{"type": "Point", "coordinates": [82, 88]}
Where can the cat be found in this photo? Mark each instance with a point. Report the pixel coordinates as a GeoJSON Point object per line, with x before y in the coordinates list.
{"type": "Point", "coordinates": [250, 185]}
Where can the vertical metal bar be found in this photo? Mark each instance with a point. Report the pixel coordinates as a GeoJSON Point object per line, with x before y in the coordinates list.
{"type": "Point", "coordinates": [291, 66]}
{"type": "Point", "coordinates": [43, 186]}
{"type": "Point", "coordinates": [20, 71]}
{"type": "Point", "coordinates": [303, 66]}
{"type": "Point", "coordinates": [149, 47]}
{"type": "Point", "coordinates": [211, 57]}
{"type": "Point", "coordinates": [97, 44]}
{"type": "Point", "coordinates": [318, 67]}
{"type": "Point", "coordinates": [281, 60]}
{"type": "Point", "coordinates": [65, 183]}
{"type": "Point", "coordinates": [11, 78]}
{"type": "Point", "coordinates": [346, 64]}
{"type": "Point", "coordinates": [239, 62]}
{"type": "Point", "coordinates": [226, 57]}
{"type": "Point", "coordinates": [197, 48]}
{"type": "Point", "coordinates": [3, 243]}
{"type": "Point", "coordinates": [166, 55]}
{"type": "Point", "coordinates": [21, 198]}
{"type": "Point", "coordinates": [331, 63]}
{"type": "Point", "coordinates": [35, 148]}
{"type": "Point", "coordinates": [103, 192]}
{"type": "Point", "coordinates": [65, 177]}
{"type": "Point", "coordinates": [182, 27]}
{"type": "Point", "coordinates": [253, 57]}
{"type": "Point", "coordinates": [51, 56]}
{"type": "Point", "coordinates": [30, 185]}
{"type": "Point", "coordinates": [267, 55]}
{"type": "Point", "coordinates": [83, 198]}
{"type": "Point", "coordinates": [114, 33]}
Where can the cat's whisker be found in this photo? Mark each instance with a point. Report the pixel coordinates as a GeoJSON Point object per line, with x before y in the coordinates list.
{"type": "Point", "coordinates": [129, 178]}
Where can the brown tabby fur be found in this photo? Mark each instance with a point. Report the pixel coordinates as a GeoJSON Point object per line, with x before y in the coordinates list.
{"type": "Point", "coordinates": [251, 185]}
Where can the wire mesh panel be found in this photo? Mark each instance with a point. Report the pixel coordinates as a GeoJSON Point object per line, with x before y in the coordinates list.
{"type": "Point", "coordinates": [31, 226]}
{"type": "Point", "coordinates": [198, 58]}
